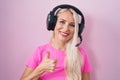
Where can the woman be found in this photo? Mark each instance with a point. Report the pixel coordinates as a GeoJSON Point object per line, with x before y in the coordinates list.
{"type": "Point", "coordinates": [61, 58]}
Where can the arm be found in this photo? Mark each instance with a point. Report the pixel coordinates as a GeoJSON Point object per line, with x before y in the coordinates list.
{"type": "Point", "coordinates": [47, 65]}
{"type": "Point", "coordinates": [30, 74]}
{"type": "Point", "coordinates": [86, 76]}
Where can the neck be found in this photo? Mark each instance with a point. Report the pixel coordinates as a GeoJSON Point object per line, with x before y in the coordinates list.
{"type": "Point", "coordinates": [58, 44]}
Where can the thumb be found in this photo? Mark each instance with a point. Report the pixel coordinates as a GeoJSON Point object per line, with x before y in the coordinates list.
{"type": "Point", "coordinates": [47, 55]}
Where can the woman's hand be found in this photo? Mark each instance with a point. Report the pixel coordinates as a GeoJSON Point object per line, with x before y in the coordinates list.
{"type": "Point", "coordinates": [47, 65]}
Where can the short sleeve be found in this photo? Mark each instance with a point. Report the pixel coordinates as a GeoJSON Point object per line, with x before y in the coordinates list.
{"type": "Point", "coordinates": [86, 67]}
{"type": "Point", "coordinates": [34, 59]}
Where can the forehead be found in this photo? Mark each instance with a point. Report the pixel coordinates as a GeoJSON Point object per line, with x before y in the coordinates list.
{"type": "Point", "coordinates": [66, 15]}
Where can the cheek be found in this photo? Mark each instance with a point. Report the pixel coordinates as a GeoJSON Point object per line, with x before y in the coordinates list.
{"type": "Point", "coordinates": [72, 31]}
{"type": "Point", "coordinates": [57, 27]}
{"type": "Point", "coordinates": [56, 30]}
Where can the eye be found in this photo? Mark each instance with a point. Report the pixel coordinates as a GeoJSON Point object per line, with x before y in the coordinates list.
{"type": "Point", "coordinates": [72, 25]}
{"type": "Point", "coordinates": [62, 22]}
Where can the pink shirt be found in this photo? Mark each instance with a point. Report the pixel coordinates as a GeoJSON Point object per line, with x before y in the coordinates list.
{"type": "Point", "coordinates": [59, 73]}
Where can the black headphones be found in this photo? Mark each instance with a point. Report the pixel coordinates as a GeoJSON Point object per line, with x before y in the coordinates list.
{"type": "Point", "coordinates": [52, 19]}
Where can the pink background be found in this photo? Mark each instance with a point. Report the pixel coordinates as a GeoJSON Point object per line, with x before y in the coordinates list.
{"type": "Point", "coordinates": [23, 28]}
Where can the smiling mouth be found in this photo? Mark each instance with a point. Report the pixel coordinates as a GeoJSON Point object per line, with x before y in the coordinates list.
{"type": "Point", "coordinates": [64, 34]}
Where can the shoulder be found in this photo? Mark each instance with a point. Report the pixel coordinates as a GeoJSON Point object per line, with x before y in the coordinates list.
{"type": "Point", "coordinates": [42, 47]}
{"type": "Point", "coordinates": [83, 51]}
{"type": "Point", "coordinates": [38, 54]}
{"type": "Point", "coordinates": [39, 50]}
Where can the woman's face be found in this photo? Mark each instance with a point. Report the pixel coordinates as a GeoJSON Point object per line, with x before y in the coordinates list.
{"type": "Point", "coordinates": [65, 26]}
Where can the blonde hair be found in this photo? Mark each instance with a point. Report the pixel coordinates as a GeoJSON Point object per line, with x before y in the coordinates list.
{"type": "Point", "coordinates": [73, 57]}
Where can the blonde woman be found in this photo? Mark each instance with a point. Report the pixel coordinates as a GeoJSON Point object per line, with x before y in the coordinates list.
{"type": "Point", "coordinates": [62, 58]}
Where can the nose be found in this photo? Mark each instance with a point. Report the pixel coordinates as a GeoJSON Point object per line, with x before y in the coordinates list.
{"type": "Point", "coordinates": [66, 27]}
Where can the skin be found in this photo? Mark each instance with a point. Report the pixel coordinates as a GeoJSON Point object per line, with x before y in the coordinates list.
{"type": "Point", "coordinates": [63, 32]}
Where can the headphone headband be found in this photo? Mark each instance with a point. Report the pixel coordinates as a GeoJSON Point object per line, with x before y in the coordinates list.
{"type": "Point", "coordinates": [69, 7]}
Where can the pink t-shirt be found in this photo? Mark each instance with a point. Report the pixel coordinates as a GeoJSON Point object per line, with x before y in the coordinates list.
{"type": "Point", "coordinates": [59, 73]}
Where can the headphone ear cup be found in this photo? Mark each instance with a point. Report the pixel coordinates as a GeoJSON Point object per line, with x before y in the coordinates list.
{"type": "Point", "coordinates": [51, 21]}
{"type": "Point", "coordinates": [81, 26]}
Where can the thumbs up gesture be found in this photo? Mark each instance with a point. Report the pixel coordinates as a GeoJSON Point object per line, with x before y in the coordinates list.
{"type": "Point", "coordinates": [48, 65]}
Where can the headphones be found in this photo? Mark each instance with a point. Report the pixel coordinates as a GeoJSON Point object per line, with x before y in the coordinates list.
{"type": "Point", "coordinates": [52, 19]}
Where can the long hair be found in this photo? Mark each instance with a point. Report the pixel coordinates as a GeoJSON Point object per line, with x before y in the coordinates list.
{"type": "Point", "coordinates": [73, 61]}
{"type": "Point", "coordinates": [73, 58]}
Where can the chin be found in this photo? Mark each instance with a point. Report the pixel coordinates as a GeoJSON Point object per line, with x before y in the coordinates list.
{"type": "Point", "coordinates": [64, 40]}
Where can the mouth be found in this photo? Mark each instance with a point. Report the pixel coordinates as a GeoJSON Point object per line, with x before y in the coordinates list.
{"type": "Point", "coordinates": [64, 34]}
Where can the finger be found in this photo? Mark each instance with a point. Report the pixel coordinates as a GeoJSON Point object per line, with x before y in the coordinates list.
{"type": "Point", "coordinates": [52, 69]}
{"type": "Point", "coordinates": [55, 61]}
{"type": "Point", "coordinates": [53, 65]}
{"type": "Point", "coordinates": [52, 61]}
{"type": "Point", "coordinates": [47, 55]}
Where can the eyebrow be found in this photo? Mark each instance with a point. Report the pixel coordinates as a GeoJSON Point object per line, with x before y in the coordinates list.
{"type": "Point", "coordinates": [61, 19]}
{"type": "Point", "coordinates": [65, 20]}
